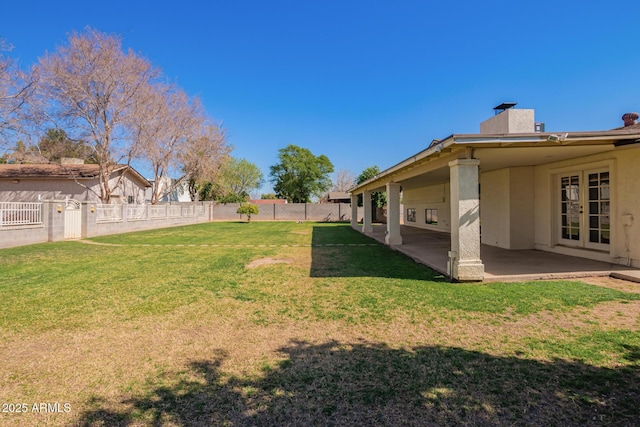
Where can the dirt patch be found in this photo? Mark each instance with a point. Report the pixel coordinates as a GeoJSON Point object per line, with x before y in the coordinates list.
{"type": "Point", "coordinates": [610, 282]}
{"type": "Point", "coordinates": [302, 232]}
{"type": "Point", "coordinates": [267, 261]}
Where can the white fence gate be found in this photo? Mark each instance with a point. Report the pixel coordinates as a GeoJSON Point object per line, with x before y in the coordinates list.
{"type": "Point", "coordinates": [72, 220]}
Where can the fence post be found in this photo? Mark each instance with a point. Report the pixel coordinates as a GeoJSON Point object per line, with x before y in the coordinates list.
{"type": "Point", "coordinates": [124, 211]}
{"type": "Point", "coordinates": [55, 220]}
{"type": "Point", "coordinates": [88, 210]}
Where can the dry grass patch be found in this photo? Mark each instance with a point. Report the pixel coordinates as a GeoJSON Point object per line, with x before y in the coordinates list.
{"type": "Point", "coordinates": [344, 335]}
{"type": "Point", "coordinates": [612, 283]}
{"type": "Point", "coordinates": [267, 261]}
{"type": "Point", "coordinates": [193, 368]}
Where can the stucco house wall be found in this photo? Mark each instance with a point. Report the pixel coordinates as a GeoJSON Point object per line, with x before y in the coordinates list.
{"type": "Point", "coordinates": [34, 189]}
{"type": "Point", "coordinates": [495, 208]}
{"type": "Point", "coordinates": [429, 197]}
{"type": "Point", "coordinates": [507, 208]}
{"type": "Point", "coordinates": [622, 164]}
{"type": "Point", "coordinates": [130, 189]}
{"type": "Point", "coordinates": [627, 193]}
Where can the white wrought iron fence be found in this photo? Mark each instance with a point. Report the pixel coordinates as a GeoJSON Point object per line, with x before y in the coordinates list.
{"type": "Point", "coordinates": [14, 214]}
{"type": "Point", "coordinates": [158, 211]}
{"type": "Point", "coordinates": [108, 213]}
{"type": "Point", "coordinates": [188, 210]}
{"type": "Point", "coordinates": [174, 210]}
{"type": "Point", "coordinates": [136, 212]}
{"type": "Point", "coordinates": [111, 213]}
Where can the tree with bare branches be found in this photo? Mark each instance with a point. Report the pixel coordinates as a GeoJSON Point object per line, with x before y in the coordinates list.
{"type": "Point", "coordinates": [91, 87]}
{"type": "Point", "coordinates": [167, 121]}
{"type": "Point", "coordinates": [203, 156]}
{"type": "Point", "coordinates": [16, 89]}
{"type": "Point", "coordinates": [344, 180]}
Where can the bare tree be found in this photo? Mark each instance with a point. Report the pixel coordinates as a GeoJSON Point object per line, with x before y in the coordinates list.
{"type": "Point", "coordinates": [203, 156]}
{"type": "Point", "coordinates": [344, 180]}
{"type": "Point", "coordinates": [16, 89]}
{"type": "Point", "coordinates": [91, 88]}
{"type": "Point", "coordinates": [166, 121]}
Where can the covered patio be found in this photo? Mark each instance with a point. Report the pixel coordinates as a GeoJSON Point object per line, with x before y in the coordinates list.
{"type": "Point", "coordinates": [430, 248]}
{"type": "Point", "coordinates": [550, 204]}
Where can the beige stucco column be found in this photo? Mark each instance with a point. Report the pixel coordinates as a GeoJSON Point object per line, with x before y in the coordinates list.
{"type": "Point", "coordinates": [354, 211]}
{"type": "Point", "coordinates": [366, 204]}
{"type": "Point", "coordinates": [393, 236]}
{"type": "Point", "coordinates": [465, 220]}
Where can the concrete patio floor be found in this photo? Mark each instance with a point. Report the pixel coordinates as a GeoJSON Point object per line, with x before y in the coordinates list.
{"type": "Point", "coordinates": [502, 265]}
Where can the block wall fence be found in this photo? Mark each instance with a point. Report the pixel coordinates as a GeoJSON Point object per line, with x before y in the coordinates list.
{"type": "Point", "coordinates": [52, 228]}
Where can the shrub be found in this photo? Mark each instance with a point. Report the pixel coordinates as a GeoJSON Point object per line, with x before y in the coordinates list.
{"type": "Point", "coordinates": [248, 209]}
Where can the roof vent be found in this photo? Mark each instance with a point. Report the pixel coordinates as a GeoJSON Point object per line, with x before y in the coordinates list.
{"type": "Point", "coordinates": [630, 119]}
{"type": "Point", "coordinates": [504, 106]}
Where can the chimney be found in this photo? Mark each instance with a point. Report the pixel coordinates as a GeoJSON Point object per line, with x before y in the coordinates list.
{"type": "Point", "coordinates": [71, 161]}
{"type": "Point", "coordinates": [507, 120]}
{"type": "Point", "coordinates": [630, 119]}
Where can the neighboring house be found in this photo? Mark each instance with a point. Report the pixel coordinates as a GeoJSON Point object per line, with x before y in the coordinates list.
{"type": "Point", "coordinates": [178, 193]}
{"type": "Point", "coordinates": [573, 193]}
{"type": "Point", "coordinates": [336, 197]}
{"type": "Point", "coordinates": [71, 179]}
{"type": "Point", "coordinates": [268, 201]}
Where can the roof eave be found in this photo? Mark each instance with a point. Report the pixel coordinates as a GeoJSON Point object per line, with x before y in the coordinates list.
{"type": "Point", "coordinates": [561, 138]}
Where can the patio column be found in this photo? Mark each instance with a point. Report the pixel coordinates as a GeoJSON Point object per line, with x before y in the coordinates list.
{"type": "Point", "coordinates": [354, 211]}
{"type": "Point", "coordinates": [366, 204]}
{"type": "Point", "coordinates": [393, 236]}
{"type": "Point", "coordinates": [466, 264]}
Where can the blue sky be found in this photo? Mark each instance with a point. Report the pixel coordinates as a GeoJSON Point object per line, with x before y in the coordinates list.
{"type": "Point", "coordinates": [365, 82]}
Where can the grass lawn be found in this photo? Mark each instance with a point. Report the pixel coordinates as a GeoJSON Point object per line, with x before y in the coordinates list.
{"type": "Point", "coordinates": [301, 324]}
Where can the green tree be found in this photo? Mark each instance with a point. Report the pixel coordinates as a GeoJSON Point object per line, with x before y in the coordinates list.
{"type": "Point", "coordinates": [56, 144]}
{"type": "Point", "coordinates": [300, 175]}
{"type": "Point", "coordinates": [378, 199]}
{"type": "Point", "coordinates": [206, 190]}
{"type": "Point", "coordinates": [20, 153]}
{"type": "Point", "coordinates": [248, 209]}
{"type": "Point", "coordinates": [236, 178]}
{"type": "Point", "coordinates": [239, 176]}
{"type": "Point", "coordinates": [233, 198]}
{"type": "Point", "coordinates": [268, 196]}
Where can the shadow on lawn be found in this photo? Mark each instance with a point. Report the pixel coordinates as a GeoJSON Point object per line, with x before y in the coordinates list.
{"type": "Point", "coordinates": [336, 252]}
{"type": "Point", "coordinates": [372, 384]}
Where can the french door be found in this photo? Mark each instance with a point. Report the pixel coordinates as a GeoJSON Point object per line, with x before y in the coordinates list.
{"type": "Point", "coordinates": [585, 202]}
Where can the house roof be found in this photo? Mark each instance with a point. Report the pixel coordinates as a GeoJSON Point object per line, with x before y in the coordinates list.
{"type": "Point", "coordinates": [268, 201]}
{"type": "Point", "coordinates": [635, 126]}
{"type": "Point", "coordinates": [497, 151]}
{"type": "Point", "coordinates": [70, 171]}
{"type": "Point", "coordinates": [338, 195]}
